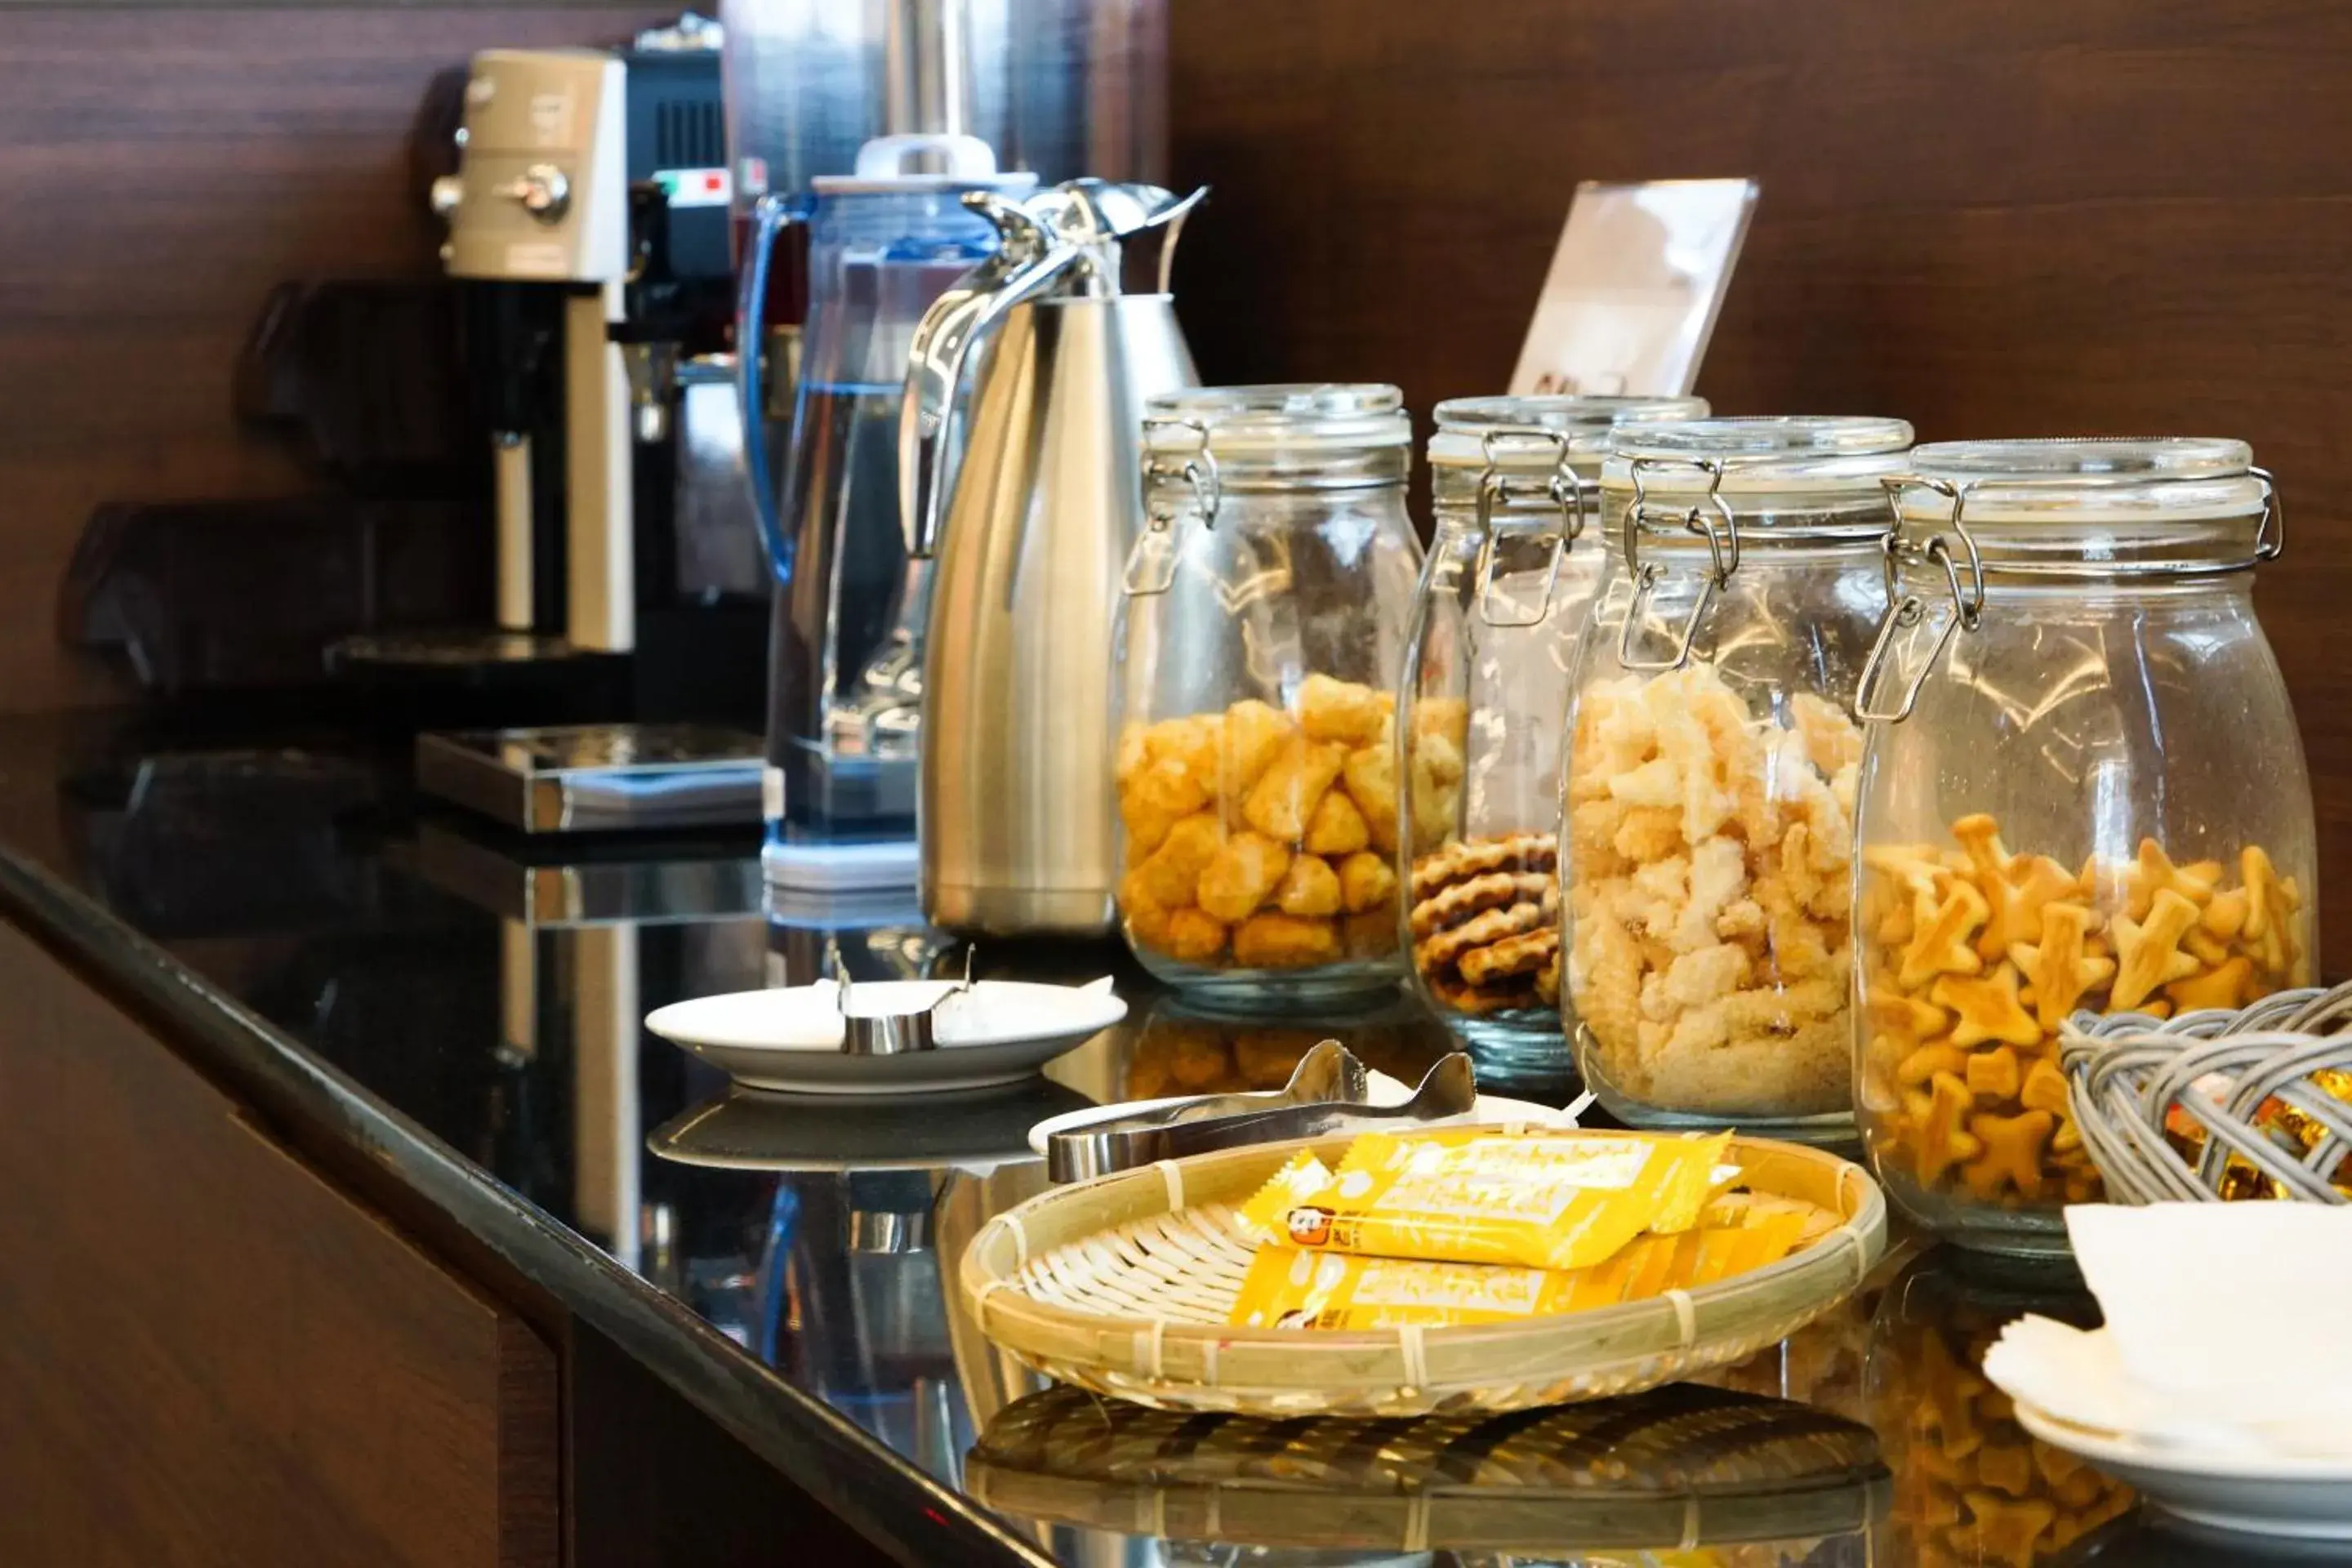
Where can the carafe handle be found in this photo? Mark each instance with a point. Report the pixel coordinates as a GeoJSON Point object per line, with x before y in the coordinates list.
{"type": "Point", "coordinates": [1025, 265]}
{"type": "Point", "coordinates": [771, 215]}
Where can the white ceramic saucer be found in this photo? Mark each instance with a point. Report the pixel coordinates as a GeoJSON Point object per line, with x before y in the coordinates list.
{"type": "Point", "coordinates": [789, 1041]}
{"type": "Point", "coordinates": [751, 1129]}
{"type": "Point", "coordinates": [2308, 1500]}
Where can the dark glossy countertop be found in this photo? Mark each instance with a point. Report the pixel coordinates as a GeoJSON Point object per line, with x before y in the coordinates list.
{"type": "Point", "coordinates": [464, 1009]}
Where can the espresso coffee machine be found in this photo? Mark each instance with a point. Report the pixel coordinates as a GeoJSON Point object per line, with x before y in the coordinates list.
{"type": "Point", "coordinates": [589, 224]}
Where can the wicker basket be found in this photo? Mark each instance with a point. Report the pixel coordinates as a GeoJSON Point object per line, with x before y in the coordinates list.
{"type": "Point", "coordinates": [1124, 1284]}
{"type": "Point", "coordinates": [2126, 1073]}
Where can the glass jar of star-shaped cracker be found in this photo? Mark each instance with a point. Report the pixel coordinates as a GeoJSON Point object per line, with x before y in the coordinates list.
{"type": "Point", "coordinates": [1504, 593]}
{"type": "Point", "coordinates": [2083, 790]}
{"type": "Point", "coordinates": [1712, 764]}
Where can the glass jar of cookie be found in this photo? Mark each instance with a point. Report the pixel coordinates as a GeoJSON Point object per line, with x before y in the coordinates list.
{"type": "Point", "coordinates": [2084, 789]}
{"type": "Point", "coordinates": [1262, 633]}
{"type": "Point", "coordinates": [1712, 765]}
{"type": "Point", "coordinates": [1502, 601]}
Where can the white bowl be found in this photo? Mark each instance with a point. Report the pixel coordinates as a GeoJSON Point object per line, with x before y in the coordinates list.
{"type": "Point", "coordinates": [2308, 1500]}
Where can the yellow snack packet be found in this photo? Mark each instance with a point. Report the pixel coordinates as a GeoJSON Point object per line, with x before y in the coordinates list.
{"type": "Point", "coordinates": [1696, 1182]}
{"type": "Point", "coordinates": [1300, 1178]}
{"type": "Point", "coordinates": [1764, 1238]}
{"type": "Point", "coordinates": [1656, 1263]}
{"type": "Point", "coordinates": [1475, 1197]}
{"type": "Point", "coordinates": [1290, 1287]}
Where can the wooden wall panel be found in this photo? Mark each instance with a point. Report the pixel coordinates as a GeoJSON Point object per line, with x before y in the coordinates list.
{"type": "Point", "coordinates": [160, 169]}
{"type": "Point", "coordinates": [213, 1356]}
{"type": "Point", "coordinates": [2004, 217]}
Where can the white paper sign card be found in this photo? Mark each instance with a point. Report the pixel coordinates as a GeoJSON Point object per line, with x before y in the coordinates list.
{"type": "Point", "coordinates": [1634, 287]}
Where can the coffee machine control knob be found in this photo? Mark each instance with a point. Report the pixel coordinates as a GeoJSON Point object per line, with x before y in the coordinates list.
{"type": "Point", "coordinates": [543, 191]}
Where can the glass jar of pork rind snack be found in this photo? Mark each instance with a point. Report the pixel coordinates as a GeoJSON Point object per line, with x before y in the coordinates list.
{"type": "Point", "coordinates": [2084, 789]}
{"type": "Point", "coordinates": [1712, 767]}
{"type": "Point", "coordinates": [1261, 635]}
{"type": "Point", "coordinates": [1513, 482]}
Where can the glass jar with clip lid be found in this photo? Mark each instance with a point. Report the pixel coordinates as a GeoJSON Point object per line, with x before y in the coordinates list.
{"type": "Point", "coordinates": [1501, 606]}
{"type": "Point", "coordinates": [1712, 764]}
{"type": "Point", "coordinates": [2083, 789]}
{"type": "Point", "coordinates": [1261, 633]}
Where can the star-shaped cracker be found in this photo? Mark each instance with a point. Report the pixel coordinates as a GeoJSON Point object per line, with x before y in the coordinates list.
{"type": "Point", "coordinates": [2227, 915]}
{"type": "Point", "coordinates": [2006, 1467]}
{"type": "Point", "coordinates": [2029, 885]}
{"type": "Point", "coordinates": [1922, 1064]}
{"type": "Point", "coordinates": [1988, 1009]}
{"type": "Point", "coordinates": [2061, 968]}
{"type": "Point", "coordinates": [2149, 952]}
{"type": "Point", "coordinates": [2046, 1088]}
{"type": "Point", "coordinates": [2153, 872]}
{"type": "Point", "coordinates": [2003, 1529]}
{"type": "Point", "coordinates": [2012, 1152]}
{"type": "Point", "coordinates": [1902, 1014]}
{"type": "Point", "coordinates": [2271, 904]}
{"type": "Point", "coordinates": [1950, 1381]}
{"type": "Point", "coordinates": [2224, 985]}
{"type": "Point", "coordinates": [1979, 836]}
{"type": "Point", "coordinates": [1914, 865]}
{"type": "Point", "coordinates": [1939, 943]}
{"type": "Point", "coordinates": [1943, 1143]}
{"type": "Point", "coordinates": [1992, 1075]}
{"type": "Point", "coordinates": [2205, 950]}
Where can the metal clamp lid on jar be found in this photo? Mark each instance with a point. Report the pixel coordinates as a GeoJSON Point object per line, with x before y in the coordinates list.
{"type": "Point", "coordinates": [1207, 440]}
{"type": "Point", "coordinates": [1710, 470]}
{"type": "Point", "coordinates": [2097, 508]}
{"type": "Point", "coordinates": [1527, 449]}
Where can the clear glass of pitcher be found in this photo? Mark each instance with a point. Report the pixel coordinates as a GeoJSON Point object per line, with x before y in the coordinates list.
{"type": "Point", "coordinates": [844, 677]}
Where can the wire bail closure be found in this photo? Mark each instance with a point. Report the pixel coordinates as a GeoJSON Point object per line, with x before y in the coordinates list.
{"type": "Point", "coordinates": [2270, 543]}
{"type": "Point", "coordinates": [1904, 610]}
{"type": "Point", "coordinates": [1563, 489]}
{"type": "Point", "coordinates": [1151, 564]}
{"type": "Point", "coordinates": [1711, 518]}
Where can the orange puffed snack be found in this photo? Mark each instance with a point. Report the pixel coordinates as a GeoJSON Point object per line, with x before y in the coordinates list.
{"type": "Point", "coordinates": [1976, 955]}
{"type": "Point", "coordinates": [1261, 838]}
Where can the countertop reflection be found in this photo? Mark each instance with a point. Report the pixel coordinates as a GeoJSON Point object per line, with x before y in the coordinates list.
{"type": "Point", "coordinates": [490, 992]}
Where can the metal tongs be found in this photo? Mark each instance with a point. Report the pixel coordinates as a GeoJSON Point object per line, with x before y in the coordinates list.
{"type": "Point", "coordinates": [1450, 1088]}
{"type": "Point", "coordinates": [1328, 1071]}
{"type": "Point", "coordinates": [889, 1034]}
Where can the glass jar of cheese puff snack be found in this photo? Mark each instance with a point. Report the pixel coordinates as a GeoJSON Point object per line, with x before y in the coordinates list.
{"type": "Point", "coordinates": [1712, 765]}
{"type": "Point", "coordinates": [2083, 790]}
{"type": "Point", "coordinates": [1510, 576]}
{"type": "Point", "coordinates": [1261, 635]}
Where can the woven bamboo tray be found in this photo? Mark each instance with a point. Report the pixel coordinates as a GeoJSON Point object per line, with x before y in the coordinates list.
{"type": "Point", "coordinates": [1124, 1284]}
{"type": "Point", "coordinates": [2127, 1073]}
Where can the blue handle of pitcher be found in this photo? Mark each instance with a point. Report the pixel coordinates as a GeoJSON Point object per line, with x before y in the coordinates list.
{"type": "Point", "coordinates": [770, 215]}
